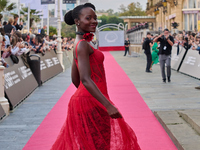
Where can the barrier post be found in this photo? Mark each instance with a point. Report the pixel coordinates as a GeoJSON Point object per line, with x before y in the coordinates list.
{"type": "Point", "coordinates": [3, 101]}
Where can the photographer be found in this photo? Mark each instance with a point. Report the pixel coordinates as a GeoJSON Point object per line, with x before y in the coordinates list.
{"type": "Point", "coordinates": [166, 43]}
{"type": "Point", "coordinates": [147, 50]}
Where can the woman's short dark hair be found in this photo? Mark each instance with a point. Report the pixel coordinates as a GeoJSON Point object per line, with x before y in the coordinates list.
{"type": "Point", "coordinates": [74, 14]}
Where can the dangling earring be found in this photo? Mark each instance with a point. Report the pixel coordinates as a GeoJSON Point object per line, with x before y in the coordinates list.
{"type": "Point", "coordinates": [78, 24]}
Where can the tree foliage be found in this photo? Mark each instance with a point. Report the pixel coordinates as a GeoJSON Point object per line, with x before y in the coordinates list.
{"type": "Point", "coordinates": [109, 19]}
{"type": "Point", "coordinates": [52, 30]}
{"type": "Point", "coordinates": [110, 12]}
{"type": "Point", "coordinates": [34, 15]}
{"type": "Point", "coordinates": [5, 6]}
{"type": "Point", "coordinates": [68, 31]}
{"type": "Point", "coordinates": [133, 9]}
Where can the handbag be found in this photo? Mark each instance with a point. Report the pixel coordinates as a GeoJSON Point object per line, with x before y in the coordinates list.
{"type": "Point", "coordinates": [14, 58]}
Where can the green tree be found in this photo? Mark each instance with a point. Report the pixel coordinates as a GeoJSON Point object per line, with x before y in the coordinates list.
{"type": "Point", "coordinates": [133, 9]}
{"type": "Point", "coordinates": [34, 15]}
{"type": "Point", "coordinates": [68, 31]}
{"type": "Point", "coordinates": [5, 6]}
{"type": "Point", "coordinates": [52, 31]}
{"type": "Point", "coordinates": [109, 19]}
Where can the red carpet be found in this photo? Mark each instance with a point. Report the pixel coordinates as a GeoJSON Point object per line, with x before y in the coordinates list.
{"type": "Point", "coordinates": [114, 48]}
{"type": "Point", "coordinates": [151, 135]}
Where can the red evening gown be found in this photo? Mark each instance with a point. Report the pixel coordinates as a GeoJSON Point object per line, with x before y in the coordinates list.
{"type": "Point", "coordinates": [88, 125]}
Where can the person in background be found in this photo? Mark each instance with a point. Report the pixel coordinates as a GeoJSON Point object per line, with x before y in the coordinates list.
{"type": "Point", "coordinates": [32, 42]}
{"type": "Point", "coordinates": [43, 31]}
{"type": "Point", "coordinates": [18, 26]}
{"type": "Point", "coordinates": [5, 23]}
{"type": "Point", "coordinates": [154, 54]}
{"type": "Point", "coordinates": [9, 27]}
{"type": "Point", "coordinates": [147, 50]}
{"type": "Point", "coordinates": [4, 50]}
{"type": "Point", "coordinates": [166, 43]}
{"type": "Point", "coordinates": [127, 44]}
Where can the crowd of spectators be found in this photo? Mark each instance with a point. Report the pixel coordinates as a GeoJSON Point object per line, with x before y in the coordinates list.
{"type": "Point", "coordinates": [16, 44]}
{"type": "Point", "coordinates": [189, 40]}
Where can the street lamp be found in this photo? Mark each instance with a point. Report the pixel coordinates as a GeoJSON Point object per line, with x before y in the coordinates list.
{"type": "Point", "coordinates": [157, 11]}
{"type": "Point", "coordinates": [164, 3]}
{"type": "Point", "coordinates": [164, 6]}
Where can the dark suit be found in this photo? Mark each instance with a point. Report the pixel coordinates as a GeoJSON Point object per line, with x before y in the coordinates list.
{"type": "Point", "coordinates": [8, 28]}
{"type": "Point", "coordinates": [147, 51]}
{"type": "Point", "coordinates": [127, 44]}
{"type": "Point", "coordinates": [42, 32]}
{"type": "Point", "coordinates": [19, 27]}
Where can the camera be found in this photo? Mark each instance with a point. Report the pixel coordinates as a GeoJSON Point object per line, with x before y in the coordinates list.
{"type": "Point", "coordinates": [163, 37]}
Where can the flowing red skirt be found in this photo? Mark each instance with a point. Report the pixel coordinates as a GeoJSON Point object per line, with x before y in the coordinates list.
{"type": "Point", "coordinates": [89, 127]}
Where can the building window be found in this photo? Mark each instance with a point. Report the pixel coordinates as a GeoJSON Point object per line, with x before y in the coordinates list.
{"type": "Point", "coordinates": [192, 3]}
{"type": "Point", "coordinates": [186, 21]}
{"type": "Point", "coordinates": [198, 2]}
{"type": "Point", "coordinates": [185, 4]}
{"type": "Point", "coordinates": [190, 22]}
{"type": "Point", "coordinates": [195, 21]}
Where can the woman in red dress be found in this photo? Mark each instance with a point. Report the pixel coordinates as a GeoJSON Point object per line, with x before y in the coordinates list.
{"type": "Point", "coordinates": [93, 122]}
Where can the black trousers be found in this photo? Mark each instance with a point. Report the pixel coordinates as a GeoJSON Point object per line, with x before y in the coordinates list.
{"type": "Point", "coordinates": [149, 61]}
{"type": "Point", "coordinates": [126, 50]}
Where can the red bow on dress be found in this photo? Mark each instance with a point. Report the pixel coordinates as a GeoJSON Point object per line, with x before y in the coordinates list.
{"type": "Point", "coordinates": [88, 36]}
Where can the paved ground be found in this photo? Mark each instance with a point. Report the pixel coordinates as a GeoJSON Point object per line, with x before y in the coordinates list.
{"type": "Point", "coordinates": [179, 94]}
{"type": "Point", "coordinates": [176, 105]}
{"type": "Point", "coordinates": [17, 128]}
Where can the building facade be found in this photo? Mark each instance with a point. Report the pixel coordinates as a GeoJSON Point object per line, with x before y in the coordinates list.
{"type": "Point", "coordinates": [185, 12]}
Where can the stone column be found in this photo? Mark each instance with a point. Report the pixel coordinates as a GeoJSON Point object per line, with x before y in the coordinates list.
{"type": "Point", "coordinates": [59, 51]}
{"type": "Point", "coordinates": [129, 24]}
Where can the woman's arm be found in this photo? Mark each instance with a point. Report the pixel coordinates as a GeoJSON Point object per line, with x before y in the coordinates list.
{"type": "Point", "coordinates": [84, 50]}
{"type": "Point", "coordinates": [75, 74]}
{"type": "Point", "coordinates": [154, 47]}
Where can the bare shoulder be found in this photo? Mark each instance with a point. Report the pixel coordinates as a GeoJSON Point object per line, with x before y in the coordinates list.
{"type": "Point", "coordinates": [83, 48]}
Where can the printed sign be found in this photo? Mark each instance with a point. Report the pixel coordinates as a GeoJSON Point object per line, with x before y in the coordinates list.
{"type": "Point", "coordinates": [111, 38]}
{"type": "Point", "coordinates": [47, 2]}
{"type": "Point", "coordinates": [191, 64]}
{"type": "Point", "coordinates": [176, 59]}
{"type": "Point", "coordinates": [19, 82]}
{"type": "Point", "coordinates": [49, 65]}
{"type": "Point", "coordinates": [69, 1]}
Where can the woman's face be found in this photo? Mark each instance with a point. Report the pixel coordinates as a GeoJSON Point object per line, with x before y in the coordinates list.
{"type": "Point", "coordinates": [87, 20]}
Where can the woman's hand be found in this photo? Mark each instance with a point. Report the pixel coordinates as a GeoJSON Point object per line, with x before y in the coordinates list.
{"type": "Point", "coordinates": [113, 112]}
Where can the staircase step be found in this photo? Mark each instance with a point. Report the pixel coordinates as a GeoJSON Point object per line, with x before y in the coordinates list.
{"type": "Point", "coordinates": [192, 117]}
{"type": "Point", "coordinates": [181, 133]}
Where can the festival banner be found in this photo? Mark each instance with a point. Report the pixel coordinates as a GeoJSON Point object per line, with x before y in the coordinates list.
{"type": "Point", "coordinates": [47, 2]}
{"type": "Point", "coordinates": [69, 1]}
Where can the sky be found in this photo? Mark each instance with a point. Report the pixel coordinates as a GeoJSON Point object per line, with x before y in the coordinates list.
{"type": "Point", "coordinates": [110, 4]}
{"type": "Point", "coordinates": [114, 4]}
